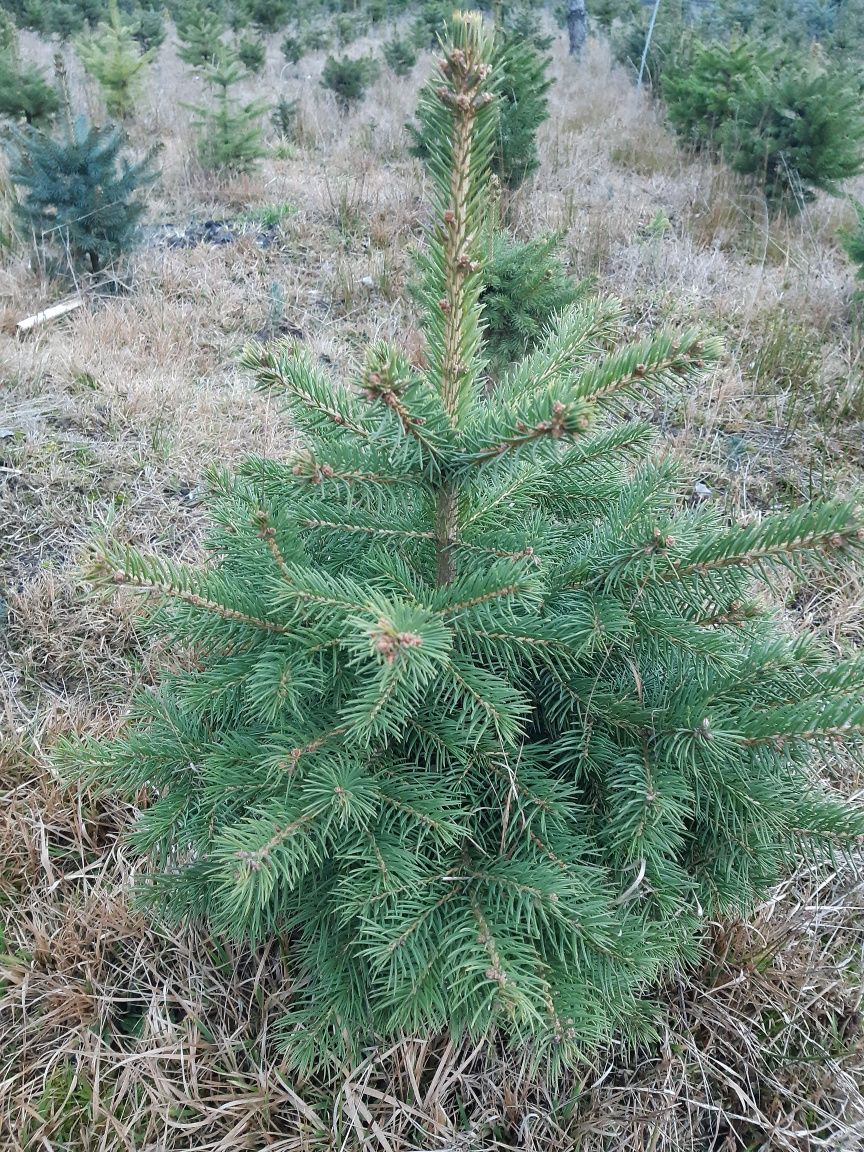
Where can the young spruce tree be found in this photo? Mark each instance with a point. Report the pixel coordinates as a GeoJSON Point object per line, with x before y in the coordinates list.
{"type": "Point", "coordinates": [79, 192]}
{"type": "Point", "coordinates": [230, 137]}
{"type": "Point", "coordinates": [526, 288]}
{"type": "Point", "coordinates": [853, 242]}
{"type": "Point", "coordinates": [796, 131]}
{"type": "Point", "coordinates": [200, 32]}
{"type": "Point", "coordinates": [483, 722]}
{"type": "Point", "coordinates": [112, 56]}
{"type": "Point", "coordinates": [25, 93]}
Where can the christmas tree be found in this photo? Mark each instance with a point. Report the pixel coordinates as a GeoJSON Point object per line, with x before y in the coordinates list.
{"type": "Point", "coordinates": [200, 29]}
{"type": "Point", "coordinates": [476, 714]}
{"type": "Point", "coordinates": [111, 55]}
{"type": "Point", "coordinates": [703, 83]}
{"type": "Point", "coordinates": [348, 79]}
{"type": "Point", "coordinates": [25, 94]}
{"type": "Point", "coordinates": [526, 288]}
{"type": "Point", "coordinates": [292, 48]}
{"type": "Point", "coordinates": [400, 55]}
{"type": "Point", "coordinates": [251, 51]}
{"type": "Point", "coordinates": [797, 130]}
{"type": "Point", "coordinates": [81, 193]}
{"type": "Point", "coordinates": [229, 133]}
{"type": "Point", "coordinates": [267, 15]}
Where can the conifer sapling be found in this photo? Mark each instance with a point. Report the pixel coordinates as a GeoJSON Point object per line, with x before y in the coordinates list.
{"type": "Point", "coordinates": [526, 288]}
{"type": "Point", "coordinates": [149, 29]}
{"type": "Point", "coordinates": [292, 48]}
{"type": "Point", "coordinates": [797, 130]}
{"type": "Point", "coordinates": [112, 56]}
{"type": "Point", "coordinates": [251, 51]}
{"type": "Point", "coordinates": [400, 55]}
{"type": "Point", "coordinates": [79, 192]}
{"type": "Point", "coordinates": [230, 137]}
{"type": "Point", "coordinates": [478, 716]}
{"type": "Point", "coordinates": [267, 16]}
{"type": "Point", "coordinates": [316, 39]}
{"type": "Point", "coordinates": [25, 93]}
{"type": "Point", "coordinates": [853, 241]}
{"type": "Point", "coordinates": [348, 79]}
{"type": "Point", "coordinates": [200, 30]}
{"type": "Point", "coordinates": [703, 84]}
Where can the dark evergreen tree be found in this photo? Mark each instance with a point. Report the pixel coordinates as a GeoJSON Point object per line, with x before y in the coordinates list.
{"type": "Point", "coordinates": [200, 32]}
{"type": "Point", "coordinates": [293, 49]}
{"type": "Point", "coordinates": [349, 26]}
{"type": "Point", "coordinates": [80, 193]}
{"type": "Point", "coordinates": [252, 53]}
{"type": "Point", "coordinates": [284, 118]}
{"type": "Point", "coordinates": [61, 18]}
{"type": "Point", "coordinates": [8, 34]}
{"type": "Point", "coordinates": [316, 39]}
{"type": "Point", "coordinates": [268, 16]}
{"type": "Point", "coordinates": [526, 289]}
{"type": "Point", "coordinates": [523, 105]}
{"type": "Point", "coordinates": [522, 21]}
{"type": "Point", "coordinates": [25, 93]}
{"type": "Point", "coordinates": [795, 131]}
{"type": "Point", "coordinates": [148, 29]}
{"type": "Point", "coordinates": [704, 84]}
{"type": "Point", "coordinates": [430, 22]}
{"type": "Point", "coordinates": [853, 241]}
{"type": "Point", "coordinates": [348, 79]}
{"type": "Point", "coordinates": [477, 715]}
{"type": "Point", "coordinates": [628, 37]}
{"type": "Point", "coordinates": [400, 55]}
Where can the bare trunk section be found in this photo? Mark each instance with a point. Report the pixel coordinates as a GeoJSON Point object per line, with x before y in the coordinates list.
{"type": "Point", "coordinates": [577, 26]}
{"type": "Point", "coordinates": [446, 528]}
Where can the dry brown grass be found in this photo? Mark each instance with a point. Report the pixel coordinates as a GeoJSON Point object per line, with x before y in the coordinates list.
{"type": "Point", "coordinates": [118, 1034]}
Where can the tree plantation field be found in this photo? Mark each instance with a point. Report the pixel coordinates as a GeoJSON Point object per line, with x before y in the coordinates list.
{"type": "Point", "coordinates": [120, 1029]}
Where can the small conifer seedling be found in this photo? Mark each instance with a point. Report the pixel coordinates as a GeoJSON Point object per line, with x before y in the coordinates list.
{"type": "Point", "coordinates": [796, 131]}
{"type": "Point", "coordinates": [80, 194]}
{"type": "Point", "coordinates": [400, 55]}
{"type": "Point", "coordinates": [284, 119]}
{"type": "Point", "coordinates": [230, 136]}
{"type": "Point", "coordinates": [112, 56]}
{"type": "Point", "coordinates": [8, 33]}
{"type": "Point", "coordinates": [525, 289]}
{"type": "Point", "coordinates": [251, 51]}
{"type": "Point", "coordinates": [316, 39]}
{"type": "Point", "coordinates": [25, 93]}
{"type": "Point", "coordinates": [268, 16]}
{"type": "Point", "coordinates": [149, 29]}
{"type": "Point", "coordinates": [348, 79]}
{"type": "Point", "coordinates": [349, 26]}
{"type": "Point", "coordinates": [200, 31]}
{"type": "Point", "coordinates": [703, 85]}
{"type": "Point", "coordinates": [478, 717]}
{"type": "Point", "coordinates": [853, 242]}
{"type": "Point", "coordinates": [293, 49]}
